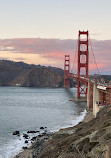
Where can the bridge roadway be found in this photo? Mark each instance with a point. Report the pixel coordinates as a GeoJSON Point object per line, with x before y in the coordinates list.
{"type": "Point", "coordinates": [85, 80]}
{"type": "Point", "coordinates": [97, 93]}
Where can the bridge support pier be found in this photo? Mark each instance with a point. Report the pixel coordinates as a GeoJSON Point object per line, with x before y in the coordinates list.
{"type": "Point", "coordinates": [90, 96]}
{"type": "Point", "coordinates": [96, 99]}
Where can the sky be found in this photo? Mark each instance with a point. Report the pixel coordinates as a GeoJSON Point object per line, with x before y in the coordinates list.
{"type": "Point", "coordinates": [43, 31]}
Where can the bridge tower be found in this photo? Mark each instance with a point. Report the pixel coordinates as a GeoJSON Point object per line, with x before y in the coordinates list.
{"type": "Point", "coordinates": [66, 71]}
{"type": "Point", "coordinates": [83, 60]}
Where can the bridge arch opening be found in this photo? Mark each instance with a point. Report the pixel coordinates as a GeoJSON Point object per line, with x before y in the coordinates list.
{"type": "Point", "coordinates": [83, 71]}
{"type": "Point", "coordinates": [83, 37]}
{"type": "Point", "coordinates": [83, 47]}
{"type": "Point", "coordinates": [83, 59]}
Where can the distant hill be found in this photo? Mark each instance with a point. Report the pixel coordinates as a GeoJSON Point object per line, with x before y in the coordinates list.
{"type": "Point", "coordinates": [106, 78]}
{"type": "Point", "coordinates": [22, 74]}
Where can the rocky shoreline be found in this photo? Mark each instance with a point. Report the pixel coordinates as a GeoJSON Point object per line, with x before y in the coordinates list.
{"type": "Point", "coordinates": [88, 139]}
{"type": "Point", "coordinates": [36, 147]}
{"type": "Point", "coordinates": [35, 139]}
{"type": "Point", "coordinates": [37, 142]}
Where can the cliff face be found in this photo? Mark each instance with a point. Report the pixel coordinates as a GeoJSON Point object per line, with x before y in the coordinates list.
{"type": "Point", "coordinates": [21, 74]}
{"type": "Point", "coordinates": [38, 77]}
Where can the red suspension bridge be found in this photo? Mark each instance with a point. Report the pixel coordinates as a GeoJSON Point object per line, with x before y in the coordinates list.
{"type": "Point", "coordinates": [87, 87]}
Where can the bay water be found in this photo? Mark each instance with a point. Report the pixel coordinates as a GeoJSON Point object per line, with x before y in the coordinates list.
{"type": "Point", "coordinates": [27, 109]}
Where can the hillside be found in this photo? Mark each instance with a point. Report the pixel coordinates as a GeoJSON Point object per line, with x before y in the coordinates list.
{"type": "Point", "coordinates": [29, 75]}
{"type": "Point", "coordinates": [22, 74]}
{"type": "Point", "coordinates": [88, 139]}
{"type": "Point", "coordinates": [105, 78]}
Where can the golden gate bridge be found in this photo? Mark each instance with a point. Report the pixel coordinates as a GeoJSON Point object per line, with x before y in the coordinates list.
{"type": "Point", "coordinates": [87, 87]}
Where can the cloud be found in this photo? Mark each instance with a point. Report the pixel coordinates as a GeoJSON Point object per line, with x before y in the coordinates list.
{"type": "Point", "coordinates": [53, 51]}
{"type": "Point", "coordinates": [20, 59]}
{"type": "Point", "coordinates": [37, 45]}
{"type": "Point", "coordinates": [3, 58]}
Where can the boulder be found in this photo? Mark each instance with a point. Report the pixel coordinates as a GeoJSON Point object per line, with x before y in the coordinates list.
{"type": "Point", "coordinates": [25, 136]}
{"type": "Point", "coordinates": [41, 127]}
{"type": "Point", "coordinates": [32, 132]}
{"type": "Point", "coordinates": [16, 133]}
{"type": "Point", "coordinates": [33, 138]}
{"type": "Point", "coordinates": [26, 141]}
{"type": "Point", "coordinates": [37, 131]}
{"type": "Point", "coordinates": [44, 133]}
{"type": "Point", "coordinates": [24, 147]}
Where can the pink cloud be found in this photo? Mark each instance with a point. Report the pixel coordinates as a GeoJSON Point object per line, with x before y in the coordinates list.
{"type": "Point", "coordinates": [93, 66]}
{"type": "Point", "coordinates": [55, 49]}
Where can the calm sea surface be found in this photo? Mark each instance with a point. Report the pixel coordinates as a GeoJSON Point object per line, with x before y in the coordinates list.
{"type": "Point", "coordinates": [26, 109]}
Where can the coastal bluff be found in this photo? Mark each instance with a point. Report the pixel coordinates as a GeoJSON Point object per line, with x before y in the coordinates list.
{"type": "Point", "coordinates": [89, 139]}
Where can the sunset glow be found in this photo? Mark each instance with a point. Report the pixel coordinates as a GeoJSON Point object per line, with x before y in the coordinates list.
{"type": "Point", "coordinates": [42, 32]}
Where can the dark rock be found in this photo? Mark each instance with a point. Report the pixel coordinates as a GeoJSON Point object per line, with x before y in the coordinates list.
{"type": "Point", "coordinates": [32, 132]}
{"type": "Point", "coordinates": [46, 138]}
{"type": "Point", "coordinates": [37, 131]}
{"type": "Point", "coordinates": [25, 136]}
{"type": "Point", "coordinates": [44, 133]}
{"type": "Point", "coordinates": [26, 141]}
{"type": "Point", "coordinates": [16, 133]}
{"type": "Point", "coordinates": [24, 147]}
{"type": "Point", "coordinates": [41, 127]}
{"type": "Point", "coordinates": [33, 138]}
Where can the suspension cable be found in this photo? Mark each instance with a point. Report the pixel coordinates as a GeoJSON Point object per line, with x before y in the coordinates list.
{"type": "Point", "coordinates": [74, 59]}
{"type": "Point", "coordinates": [94, 58]}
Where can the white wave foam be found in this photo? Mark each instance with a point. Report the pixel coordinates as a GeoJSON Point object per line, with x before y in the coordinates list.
{"type": "Point", "coordinates": [73, 122]}
{"type": "Point", "coordinates": [15, 147]}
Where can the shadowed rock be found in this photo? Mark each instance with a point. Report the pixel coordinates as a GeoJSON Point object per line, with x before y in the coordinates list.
{"type": "Point", "coordinates": [16, 133]}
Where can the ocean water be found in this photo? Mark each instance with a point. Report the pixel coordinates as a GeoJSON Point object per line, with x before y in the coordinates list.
{"type": "Point", "coordinates": [27, 109]}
